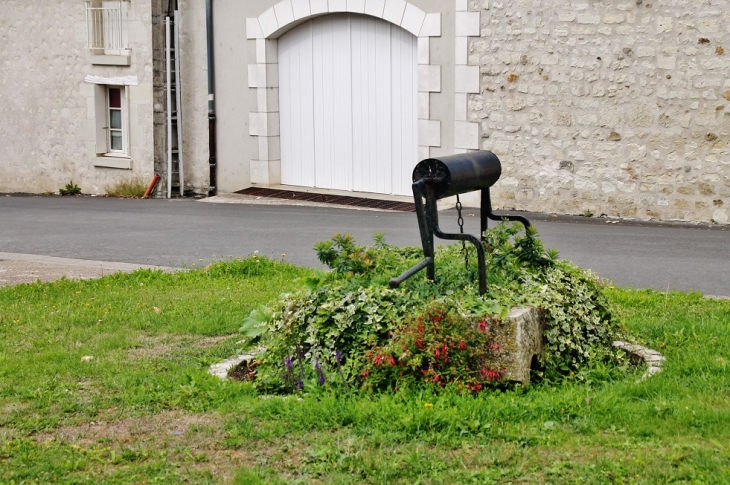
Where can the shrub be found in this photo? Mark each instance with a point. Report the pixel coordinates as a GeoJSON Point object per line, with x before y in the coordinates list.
{"type": "Point", "coordinates": [132, 188]}
{"type": "Point", "coordinates": [347, 317]}
{"type": "Point", "coordinates": [437, 346]}
{"type": "Point", "coordinates": [70, 189]}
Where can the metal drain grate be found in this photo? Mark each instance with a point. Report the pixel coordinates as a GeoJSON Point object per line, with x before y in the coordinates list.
{"type": "Point", "coordinates": [330, 199]}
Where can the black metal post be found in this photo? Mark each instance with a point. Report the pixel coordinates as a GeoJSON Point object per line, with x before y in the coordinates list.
{"type": "Point", "coordinates": [436, 178]}
{"type": "Point", "coordinates": [432, 215]}
{"type": "Point", "coordinates": [429, 226]}
{"type": "Point", "coordinates": [423, 225]}
{"type": "Point", "coordinates": [426, 238]}
{"type": "Point", "coordinates": [486, 210]}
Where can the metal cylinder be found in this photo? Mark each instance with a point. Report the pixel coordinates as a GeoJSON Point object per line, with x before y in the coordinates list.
{"type": "Point", "coordinates": [457, 174]}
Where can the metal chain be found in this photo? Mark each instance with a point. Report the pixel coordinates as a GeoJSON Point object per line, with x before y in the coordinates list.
{"type": "Point", "coordinates": [461, 230]}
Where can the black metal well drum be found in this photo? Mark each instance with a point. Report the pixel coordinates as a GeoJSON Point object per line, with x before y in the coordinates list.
{"type": "Point", "coordinates": [461, 173]}
{"type": "Point", "coordinates": [438, 177]}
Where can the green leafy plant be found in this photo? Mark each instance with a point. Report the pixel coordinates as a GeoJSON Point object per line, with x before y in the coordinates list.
{"type": "Point", "coordinates": [438, 346]}
{"type": "Point", "coordinates": [70, 189]}
{"type": "Point", "coordinates": [580, 326]}
{"type": "Point", "coordinates": [257, 322]}
{"type": "Point", "coordinates": [316, 325]}
{"type": "Point", "coordinates": [351, 312]}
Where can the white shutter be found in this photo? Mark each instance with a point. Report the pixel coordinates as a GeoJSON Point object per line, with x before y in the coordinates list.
{"type": "Point", "coordinates": [348, 92]}
{"type": "Point", "coordinates": [100, 118]}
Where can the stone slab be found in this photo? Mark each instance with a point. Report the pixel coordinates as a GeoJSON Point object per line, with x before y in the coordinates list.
{"type": "Point", "coordinates": [520, 337]}
{"type": "Point", "coordinates": [639, 353]}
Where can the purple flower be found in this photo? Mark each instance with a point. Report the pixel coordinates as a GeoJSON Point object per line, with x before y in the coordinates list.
{"type": "Point", "coordinates": [300, 384]}
{"type": "Point", "coordinates": [320, 373]}
{"type": "Point", "coordinates": [338, 356]}
{"type": "Point", "coordinates": [288, 374]}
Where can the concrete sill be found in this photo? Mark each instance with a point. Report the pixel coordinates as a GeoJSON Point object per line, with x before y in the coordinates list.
{"type": "Point", "coordinates": [113, 162]}
{"type": "Point", "coordinates": [109, 60]}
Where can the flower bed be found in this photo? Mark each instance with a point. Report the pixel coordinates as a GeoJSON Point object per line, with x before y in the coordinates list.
{"type": "Point", "coordinates": [349, 329]}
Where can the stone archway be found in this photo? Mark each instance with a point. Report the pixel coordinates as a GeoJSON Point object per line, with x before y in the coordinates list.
{"type": "Point", "coordinates": [265, 123]}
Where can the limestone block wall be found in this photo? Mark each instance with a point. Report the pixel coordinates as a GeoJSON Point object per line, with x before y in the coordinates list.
{"type": "Point", "coordinates": [48, 130]}
{"type": "Point", "coordinates": [616, 107]}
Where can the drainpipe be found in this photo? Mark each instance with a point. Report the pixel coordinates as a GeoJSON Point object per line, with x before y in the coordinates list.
{"type": "Point", "coordinates": [211, 98]}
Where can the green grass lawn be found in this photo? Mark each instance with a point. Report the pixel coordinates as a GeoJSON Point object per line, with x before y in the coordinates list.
{"type": "Point", "coordinates": [105, 381]}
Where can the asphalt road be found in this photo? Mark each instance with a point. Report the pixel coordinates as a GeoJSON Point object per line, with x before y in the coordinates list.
{"type": "Point", "coordinates": [184, 232]}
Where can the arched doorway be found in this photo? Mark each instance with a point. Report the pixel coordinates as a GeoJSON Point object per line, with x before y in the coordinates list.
{"type": "Point", "coordinates": [348, 101]}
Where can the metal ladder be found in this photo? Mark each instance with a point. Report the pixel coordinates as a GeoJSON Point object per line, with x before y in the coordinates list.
{"type": "Point", "coordinates": [175, 167]}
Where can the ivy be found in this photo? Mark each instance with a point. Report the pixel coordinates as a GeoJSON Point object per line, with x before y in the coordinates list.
{"type": "Point", "coordinates": [348, 313]}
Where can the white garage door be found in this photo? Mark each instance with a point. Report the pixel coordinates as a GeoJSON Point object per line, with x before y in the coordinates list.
{"type": "Point", "coordinates": [348, 105]}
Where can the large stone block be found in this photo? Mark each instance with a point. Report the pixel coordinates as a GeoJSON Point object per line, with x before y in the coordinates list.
{"type": "Point", "coordinates": [520, 339]}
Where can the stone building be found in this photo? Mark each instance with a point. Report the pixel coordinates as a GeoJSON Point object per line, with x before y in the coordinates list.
{"type": "Point", "coordinates": [76, 94]}
{"type": "Point", "coordinates": [603, 107]}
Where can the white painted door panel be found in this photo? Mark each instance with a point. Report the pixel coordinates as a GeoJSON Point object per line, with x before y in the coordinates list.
{"type": "Point", "coordinates": [295, 92]}
{"type": "Point", "coordinates": [348, 105]}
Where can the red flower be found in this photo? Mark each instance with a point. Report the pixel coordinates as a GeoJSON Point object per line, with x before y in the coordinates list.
{"type": "Point", "coordinates": [462, 345]}
{"type": "Point", "coordinates": [437, 353]}
{"type": "Point", "coordinates": [366, 373]}
{"type": "Point", "coordinates": [424, 371]}
{"type": "Point", "coordinates": [436, 319]}
{"type": "Point", "coordinates": [420, 328]}
{"type": "Point", "coordinates": [405, 346]}
{"type": "Point", "coordinates": [419, 343]}
{"type": "Point", "coordinates": [477, 387]}
{"type": "Point", "coordinates": [483, 326]}
{"type": "Point", "coordinates": [484, 372]}
{"type": "Point", "coordinates": [378, 359]}
{"type": "Point", "coordinates": [493, 375]}
{"type": "Point", "coordinates": [392, 361]}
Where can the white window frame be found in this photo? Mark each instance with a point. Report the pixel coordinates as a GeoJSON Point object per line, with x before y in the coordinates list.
{"type": "Point", "coordinates": [104, 152]}
{"type": "Point", "coordinates": [122, 118]}
{"type": "Point", "coordinates": [107, 35]}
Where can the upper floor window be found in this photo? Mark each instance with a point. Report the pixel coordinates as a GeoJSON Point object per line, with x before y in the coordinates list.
{"type": "Point", "coordinates": [106, 29]}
